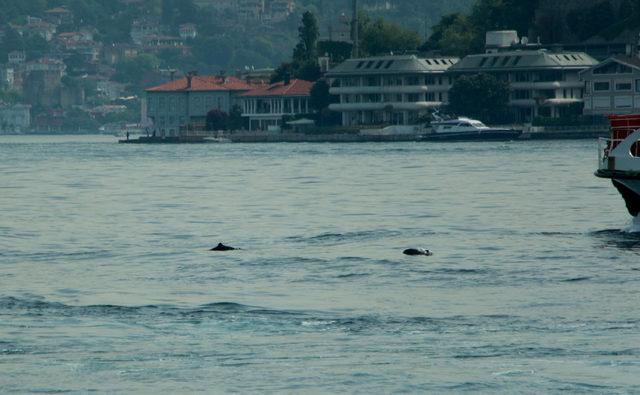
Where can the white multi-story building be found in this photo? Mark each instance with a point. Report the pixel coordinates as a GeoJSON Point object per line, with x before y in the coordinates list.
{"type": "Point", "coordinates": [389, 89]}
{"type": "Point", "coordinates": [266, 106]}
{"type": "Point", "coordinates": [612, 87]}
{"type": "Point", "coordinates": [543, 83]}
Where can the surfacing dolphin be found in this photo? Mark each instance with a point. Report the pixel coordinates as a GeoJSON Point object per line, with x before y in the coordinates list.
{"type": "Point", "coordinates": [222, 247]}
{"type": "Point", "coordinates": [417, 252]}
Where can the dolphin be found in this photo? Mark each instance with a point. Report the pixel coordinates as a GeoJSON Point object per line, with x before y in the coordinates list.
{"type": "Point", "coordinates": [222, 247]}
{"type": "Point", "coordinates": [417, 252]}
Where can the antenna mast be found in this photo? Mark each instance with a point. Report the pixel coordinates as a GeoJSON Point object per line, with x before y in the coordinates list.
{"type": "Point", "coordinates": [355, 30]}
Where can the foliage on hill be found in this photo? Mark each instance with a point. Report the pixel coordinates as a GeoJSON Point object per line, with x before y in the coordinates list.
{"type": "Point", "coordinates": [461, 34]}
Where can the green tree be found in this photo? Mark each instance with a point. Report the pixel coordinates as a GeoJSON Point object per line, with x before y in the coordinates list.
{"type": "Point", "coordinates": [308, 34]}
{"type": "Point", "coordinates": [319, 100]}
{"type": "Point", "coordinates": [454, 35]}
{"type": "Point", "coordinates": [217, 120]}
{"type": "Point", "coordinates": [480, 96]}
{"type": "Point", "coordinates": [381, 37]}
{"type": "Point", "coordinates": [130, 70]}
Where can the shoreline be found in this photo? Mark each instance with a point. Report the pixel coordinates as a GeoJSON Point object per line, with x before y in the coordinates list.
{"type": "Point", "coordinates": [270, 137]}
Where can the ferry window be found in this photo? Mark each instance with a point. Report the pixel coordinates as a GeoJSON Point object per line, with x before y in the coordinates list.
{"type": "Point", "coordinates": [360, 64]}
{"type": "Point", "coordinates": [482, 62]}
{"type": "Point", "coordinates": [623, 86]}
{"type": "Point", "coordinates": [428, 62]}
{"type": "Point", "coordinates": [370, 63]}
{"type": "Point", "coordinates": [601, 86]}
{"type": "Point", "coordinates": [389, 63]}
{"type": "Point", "coordinates": [494, 61]}
{"type": "Point", "coordinates": [517, 60]}
{"type": "Point", "coordinates": [505, 60]}
{"type": "Point", "coordinates": [637, 85]}
{"type": "Point", "coordinates": [380, 63]}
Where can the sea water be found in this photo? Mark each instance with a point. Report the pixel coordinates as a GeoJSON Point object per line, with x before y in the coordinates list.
{"type": "Point", "coordinates": [107, 284]}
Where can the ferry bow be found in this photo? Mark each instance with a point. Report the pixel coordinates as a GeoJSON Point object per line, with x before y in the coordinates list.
{"type": "Point", "coordinates": [619, 159]}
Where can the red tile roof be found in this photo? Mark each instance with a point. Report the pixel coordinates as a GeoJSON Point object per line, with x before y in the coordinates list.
{"type": "Point", "coordinates": [204, 83]}
{"type": "Point", "coordinates": [294, 88]}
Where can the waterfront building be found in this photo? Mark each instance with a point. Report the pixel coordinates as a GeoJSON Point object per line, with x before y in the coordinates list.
{"type": "Point", "coordinates": [612, 87]}
{"type": "Point", "coordinates": [395, 90]}
{"type": "Point", "coordinates": [266, 106]}
{"type": "Point", "coordinates": [59, 16]}
{"type": "Point", "coordinates": [184, 103]}
{"type": "Point", "coordinates": [188, 31]}
{"type": "Point", "coordinates": [543, 83]}
{"type": "Point", "coordinates": [14, 118]}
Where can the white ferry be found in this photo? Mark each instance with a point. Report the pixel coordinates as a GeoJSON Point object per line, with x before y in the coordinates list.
{"type": "Point", "coordinates": [619, 159]}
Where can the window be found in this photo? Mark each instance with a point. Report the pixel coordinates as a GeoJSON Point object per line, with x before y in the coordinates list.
{"type": "Point", "coordinates": [517, 60]}
{"type": "Point", "coordinates": [623, 101]}
{"type": "Point", "coordinates": [360, 64]}
{"type": "Point", "coordinates": [389, 63]}
{"type": "Point", "coordinates": [413, 97]}
{"type": "Point", "coordinates": [505, 61]}
{"type": "Point", "coordinates": [482, 62]}
{"type": "Point", "coordinates": [428, 62]}
{"type": "Point", "coordinates": [522, 95]}
{"type": "Point", "coordinates": [380, 63]}
{"type": "Point", "coordinates": [413, 81]}
{"type": "Point", "coordinates": [522, 77]}
{"type": "Point", "coordinates": [431, 96]}
{"type": "Point", "coordinates": [637, 85]}
{"type": "Point", "coordinates": [623, 86]}
{"type": "Point", "coordinates": [430, 80]}
{"type": "Point", "coordinates": [600, 86]}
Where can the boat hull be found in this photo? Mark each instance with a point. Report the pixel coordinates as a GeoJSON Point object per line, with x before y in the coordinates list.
{"type": "Point", "coordinates": [490, 135]}
{"type": "Point", "coordinates": [628, 184]}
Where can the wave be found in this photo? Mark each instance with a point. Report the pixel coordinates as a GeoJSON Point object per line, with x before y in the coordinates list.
{"type": "Point", "coordinates": [337, 238]}
{"type": "Point", "coordinates": [265, 319]}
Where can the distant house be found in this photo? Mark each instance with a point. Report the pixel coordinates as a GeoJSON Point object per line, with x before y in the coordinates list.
{"type": "Point", "coordinates": [14, 118]}
{"type": "Point", "coordinates": [142, 28]}
{"type": "Point", "coordinates": [251, 9]}
{"type": "Point", "coordinates": [184, 104]}
{"type": "Point", "coordinates": [612, 86]}
{"type": "Point", "coordinates": [109, 89]}
{"type": "Point", "coordinates": [188, 31]}
{"type": "Point", "coordinates": [59, 16]}
{"type": "Point", "coordinates": [17, 57]}
{"type": "Point", "coordinates": [158, 43]}
{"type": "Point", "coordinates": [7, 77]}
{"type": "Point", "coordinates": [279, 10]}
{"type": "Point", "coordinates": [266, 106]}
{"type": "Point", "coordinates": [36, 27]}
{"type": "Point", "coordinates": [116, 53]}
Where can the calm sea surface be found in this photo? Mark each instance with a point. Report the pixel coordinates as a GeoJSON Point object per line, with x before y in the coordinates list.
{"type": "Point", "coordinates": [106, 282]}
